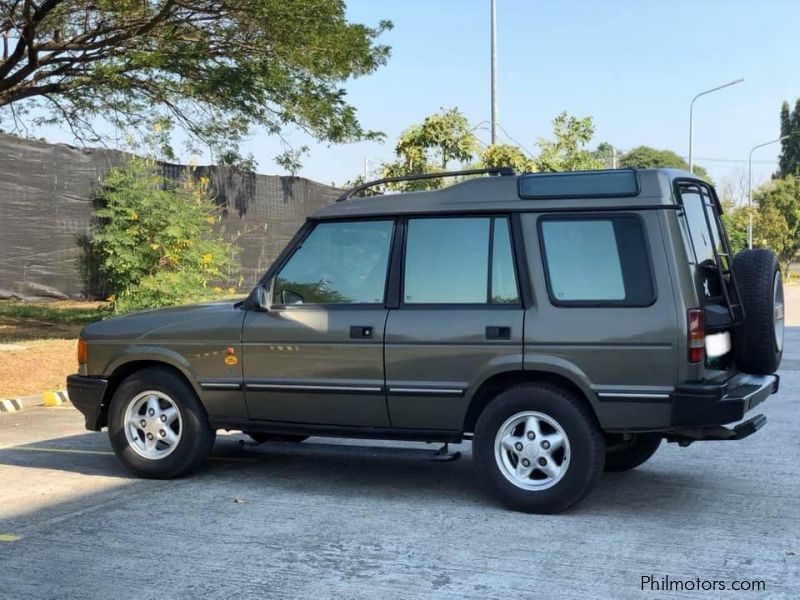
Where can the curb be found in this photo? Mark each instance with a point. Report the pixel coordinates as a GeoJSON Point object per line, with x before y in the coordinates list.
{"type": "Point", "coordinates": [10, 405]}
{"type": "Point", "coordinates": [47, 398]}
{"type": "Point", "coordinates": [54, 397]}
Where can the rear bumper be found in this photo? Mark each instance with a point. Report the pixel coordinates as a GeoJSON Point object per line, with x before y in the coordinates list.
{"type": "Point", "coordinates": [86, 394]}
{"type": "Point", "coordinates": [717, 403]}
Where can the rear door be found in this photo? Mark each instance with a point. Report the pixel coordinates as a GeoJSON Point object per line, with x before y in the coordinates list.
{"type": "Point", "coordinates": [317, 355]}
{"type": "Point", "coordinates": [459, 318]}
{"type": "Point", "coordinates": [710, 263]}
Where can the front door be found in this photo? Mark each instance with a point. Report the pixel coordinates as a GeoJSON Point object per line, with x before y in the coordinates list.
{"type": "Point", "coordinates": [317, 355]}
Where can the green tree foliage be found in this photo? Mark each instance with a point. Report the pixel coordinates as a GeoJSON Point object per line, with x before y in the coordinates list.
{"type": "Point", "coordinates": [789, 160]}
{"type": "Point", "coordinates": [154, 239]}
{"type": "Point", "coordinates": [430, 146]}
{"type": "Point", "coordinates": [735, 219]}
{"type": "Point", "coordinates": [645, 157]}
{"type": "Point", "coordinates": [506, 155]}
{"type": "Point", "coordinates": [604, 154]}
{"type": "Point", "coordinates": [216, 68]}
{"type": "Point", "coordinates": [446, 137]}
{"type": "Point", "coordinates": [777, 224]}
{"type": "Point", "coordinates": [567, 150]}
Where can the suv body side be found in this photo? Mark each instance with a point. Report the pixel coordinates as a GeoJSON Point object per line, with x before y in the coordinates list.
{"type": "Point", "coordinates": [626, 360]}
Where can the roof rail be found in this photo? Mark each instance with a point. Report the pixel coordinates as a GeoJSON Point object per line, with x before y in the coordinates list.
{"type": "Point", "coordinates": [505, 171]}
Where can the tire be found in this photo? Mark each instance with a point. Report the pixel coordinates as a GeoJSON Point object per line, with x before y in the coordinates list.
{"type": "Point", "coordinates": [261, 438]}
{"type": "Point", "coordinates": [629, 455]}
{"type": "Point", "coordinates": [758, 340]}
{"type": "Point", "coordinates": [578, 462]}
{"type": "Point", "coordinates": [191, 435]}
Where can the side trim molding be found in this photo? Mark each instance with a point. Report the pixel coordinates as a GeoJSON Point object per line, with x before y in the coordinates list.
{"type": "Point", "coordinates": [220, 385]}
{"type": "Point", "coordinates": [418, 391]}
{"type": "Point", "coordinates": [634, 397]}
{"type": "Point", "coordinates": [296, 387]}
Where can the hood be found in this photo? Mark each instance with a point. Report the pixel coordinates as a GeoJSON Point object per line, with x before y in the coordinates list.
{"type": "Point", "coordinates": [198, 321]}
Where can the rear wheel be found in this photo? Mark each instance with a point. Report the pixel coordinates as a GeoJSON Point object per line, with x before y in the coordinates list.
{"type": "Point", "coordinates": [624, 455]}
{"type": "Point", "coordinates": [758, 340]}
{"type": "Point", "coordinates": [157, 426]}
{"type": "Point", "coordinates": [539, 447]}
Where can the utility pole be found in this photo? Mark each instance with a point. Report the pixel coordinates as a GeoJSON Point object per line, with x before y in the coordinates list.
{"type": "Point", "coordinates": [494, 71]}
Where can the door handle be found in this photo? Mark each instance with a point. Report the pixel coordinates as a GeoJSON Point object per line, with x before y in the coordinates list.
{"type": "Point", "coordinates": [361, 332]}
{"type": "Point", "coordinates": [498, 333]}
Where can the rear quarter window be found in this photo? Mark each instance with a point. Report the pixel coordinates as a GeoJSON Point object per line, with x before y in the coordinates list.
{"type": "Point", "coordinates": [596, 261]}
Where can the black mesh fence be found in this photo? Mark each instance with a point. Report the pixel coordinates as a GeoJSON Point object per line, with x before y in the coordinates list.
{"type": "Point", "coordinates": [46, 193]}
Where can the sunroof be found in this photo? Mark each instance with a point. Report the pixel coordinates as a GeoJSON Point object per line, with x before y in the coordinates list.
{"type": "Point", "coordinates": [579, 184]}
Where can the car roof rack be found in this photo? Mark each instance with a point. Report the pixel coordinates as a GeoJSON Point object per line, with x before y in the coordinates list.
{"type": "Point", "coordinates": [503, 171]}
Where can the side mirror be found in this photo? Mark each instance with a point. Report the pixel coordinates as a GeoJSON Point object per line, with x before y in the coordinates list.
{"type": "Point", "coordinates": [291, 297]}
{"type": "Point", "coordinates": [262, 296]}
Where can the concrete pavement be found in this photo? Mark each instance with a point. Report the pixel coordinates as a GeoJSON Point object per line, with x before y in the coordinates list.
{"type": "Point", "coordinates": [341, 519]}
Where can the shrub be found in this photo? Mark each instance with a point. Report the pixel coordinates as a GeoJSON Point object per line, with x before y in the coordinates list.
{"type": "Point", "coordinates": [154, 239]}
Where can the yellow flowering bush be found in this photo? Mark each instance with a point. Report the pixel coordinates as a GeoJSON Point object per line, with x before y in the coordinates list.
{"type": "Point", "coordinates": [155, 239]}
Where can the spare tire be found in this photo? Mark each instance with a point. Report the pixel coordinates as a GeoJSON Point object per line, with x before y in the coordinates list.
{"type": "Point", "coordinates": [758, 340]}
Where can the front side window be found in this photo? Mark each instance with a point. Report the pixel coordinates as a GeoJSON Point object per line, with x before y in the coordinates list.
{"type": "Point", "coordinates": [596, 261]}
{"type": "Point", "coordinates": [337, 263]}
{"type": "Point", "coordinates": [459, 260]}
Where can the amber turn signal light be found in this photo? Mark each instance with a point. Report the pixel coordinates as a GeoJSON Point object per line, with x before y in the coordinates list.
{"type": "Point", "coordinates": [83, 352]}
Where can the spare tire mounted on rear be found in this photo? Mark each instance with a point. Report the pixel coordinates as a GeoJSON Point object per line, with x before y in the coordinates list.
{"type": "Point", "coordinates": [758, 340]}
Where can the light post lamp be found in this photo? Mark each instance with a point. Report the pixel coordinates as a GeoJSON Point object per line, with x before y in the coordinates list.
{"type": "Point", "coordinates": [691, 115]}
{"type": "Point", "coordinates": [750, 187]}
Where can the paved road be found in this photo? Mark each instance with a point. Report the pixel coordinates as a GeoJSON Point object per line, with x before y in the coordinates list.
{"type": "Point", "coordinates": [323, 520]}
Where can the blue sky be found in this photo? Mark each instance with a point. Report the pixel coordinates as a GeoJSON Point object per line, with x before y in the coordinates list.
{"type": "Point", "coordinates": [633, 66]}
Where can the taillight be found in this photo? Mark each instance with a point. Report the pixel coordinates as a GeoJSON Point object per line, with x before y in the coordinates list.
{"type": "Point", "coordinates": [83, 352]}
{"type": "Point", "coordinates": [697, 335]}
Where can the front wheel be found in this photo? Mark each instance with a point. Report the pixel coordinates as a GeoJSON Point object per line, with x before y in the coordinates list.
{"type": "Point", "coordinates": [157, 426]}
{"type": "Point", "coordinates": [540, 448]}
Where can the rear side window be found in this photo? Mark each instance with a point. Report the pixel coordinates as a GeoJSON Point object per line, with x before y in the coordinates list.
{"type": "Point", "coordinates": [596, 261]}
{"type": "Point", "coordinates": [457, 260]}
{"type": "Point", "coordinates": [704, 225]}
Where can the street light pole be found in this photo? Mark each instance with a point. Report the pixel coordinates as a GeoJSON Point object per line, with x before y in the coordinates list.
{"type": "Point", "coordinates": [494, 72]}
{"type": "Point", "coordinates": [691, 115]}
{"type": "Point", "coordinates": [750, 187]}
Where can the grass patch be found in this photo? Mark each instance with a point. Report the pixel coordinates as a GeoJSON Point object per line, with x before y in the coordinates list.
{"type": "Point", "coordinates": [22, 321]}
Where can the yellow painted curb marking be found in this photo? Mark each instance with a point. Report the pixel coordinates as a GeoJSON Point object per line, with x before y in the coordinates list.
{"type": "Point", "coordinates": [7, 537]}
{"type": "Point", "coordinates": [54, 397]}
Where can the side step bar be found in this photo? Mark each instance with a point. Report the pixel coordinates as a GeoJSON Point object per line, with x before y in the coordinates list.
{"type": "Point", "coordinates": [684, 436]}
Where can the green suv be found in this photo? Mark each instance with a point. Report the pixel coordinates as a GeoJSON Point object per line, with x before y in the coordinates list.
{"type": "Point", "coordinates": [566, 323]}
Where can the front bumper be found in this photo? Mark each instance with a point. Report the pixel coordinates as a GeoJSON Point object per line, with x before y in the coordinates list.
{"type": "Point", "coordinates": [705, 404]}
{"type": "Point", "coordinates": [87, 394]}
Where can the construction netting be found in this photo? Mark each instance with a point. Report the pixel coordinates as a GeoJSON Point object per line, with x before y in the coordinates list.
{"type": "Point", "coordinates": [46, 193]}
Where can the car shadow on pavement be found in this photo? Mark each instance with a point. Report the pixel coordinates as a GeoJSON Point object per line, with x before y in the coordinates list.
{"type": "Point", "coordinates": [343, 470]}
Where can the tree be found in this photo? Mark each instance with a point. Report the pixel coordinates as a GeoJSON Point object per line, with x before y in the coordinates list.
{"type": "Point", "coordinates": [789, 160]}
{"type": "Point", "coordinates": [154, 240]}
{"type": "Point", "coordinates": [216, 68]}
{"type": "Point", "coordinates": [506, 155]}
{"type": "Point", "coordinates": [567, 152]}
{"type": "Point", "coordinates": [431, 146]}
{"type": "Point", "coordinates": [778, 219]}
{"type": "Point", "coordinates": [604, 154]}
{"type": "Point", "coordinates": [645, 157]}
